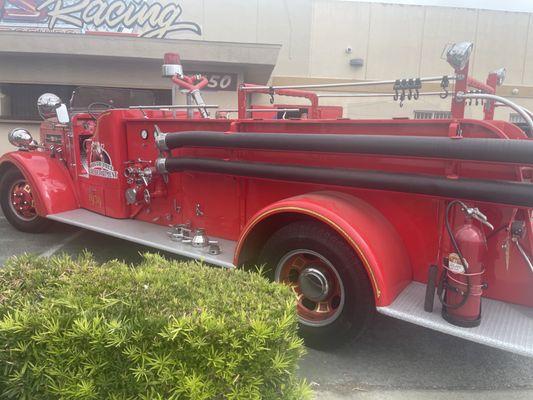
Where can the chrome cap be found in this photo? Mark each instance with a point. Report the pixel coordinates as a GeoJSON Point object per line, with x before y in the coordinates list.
{"type": "Point", "coordinates": [161, 166]}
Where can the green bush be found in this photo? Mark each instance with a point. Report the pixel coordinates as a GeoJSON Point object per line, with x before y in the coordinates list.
{"type": "Point", "coordinates": [73, 329]}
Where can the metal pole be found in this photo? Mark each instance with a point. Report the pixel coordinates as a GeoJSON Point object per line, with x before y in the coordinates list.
{"type": "Point", "coordinates": [261, 110]}
{"type": "Point", "coordinates": [340, 85]}
{"type": "Point", "coordinates": [377, 94]}
{"type": "Point", "coordinates": [180, 106]}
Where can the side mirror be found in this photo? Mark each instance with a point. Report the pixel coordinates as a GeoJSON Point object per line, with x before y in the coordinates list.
{"type": "Point", "coordinates": [62, 114]}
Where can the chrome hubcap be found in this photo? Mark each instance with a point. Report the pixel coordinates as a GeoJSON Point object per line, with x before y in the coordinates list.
{"type": "Point", "coordinates": [21, 201]}
{"type": "Point", "coordinates": [316, 284]}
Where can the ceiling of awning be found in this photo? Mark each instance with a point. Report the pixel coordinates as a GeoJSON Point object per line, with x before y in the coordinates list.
{"type": "Point", "coordinates": [23, 55]}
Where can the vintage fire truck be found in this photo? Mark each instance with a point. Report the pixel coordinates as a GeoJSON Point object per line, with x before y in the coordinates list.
{"type": "Point", "coordinates": [428, 221]}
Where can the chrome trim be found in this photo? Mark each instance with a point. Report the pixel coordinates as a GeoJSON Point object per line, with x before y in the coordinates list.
{"type": "Point", "coordinates": [160, 165]}
{"type": "Point", "coordinates": [170, 70]}
{"type": "Point", "coordinates": [160, 141]}
{"type": "Point", "coordinates": [485, 96]}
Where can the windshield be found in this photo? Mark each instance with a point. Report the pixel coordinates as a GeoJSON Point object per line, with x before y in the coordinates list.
{"type": "Point", "coordinates": [83, 97]}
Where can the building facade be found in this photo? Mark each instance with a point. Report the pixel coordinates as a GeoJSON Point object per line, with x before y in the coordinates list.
{"type": "Point", "coordinates": [57, 45]}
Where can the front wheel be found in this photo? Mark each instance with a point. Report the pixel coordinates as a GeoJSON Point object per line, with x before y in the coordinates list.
{"type": "Point", "coordinates": [335, 301]}
{"type": "Point", "coordinates": [18, 204]}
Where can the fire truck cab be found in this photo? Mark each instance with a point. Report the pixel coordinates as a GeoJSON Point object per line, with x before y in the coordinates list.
{"type": "Point", "coordinates": [428, 221]}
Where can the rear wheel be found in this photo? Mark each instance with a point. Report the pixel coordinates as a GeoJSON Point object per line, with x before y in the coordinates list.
{"type": "Point", "coordinates": [335, 301]}
{"type": "Point", "coordinates": [18, 204]}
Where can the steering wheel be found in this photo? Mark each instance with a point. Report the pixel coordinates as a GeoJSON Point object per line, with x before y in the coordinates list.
{"type": "Point", "coordinates": [106, 106]}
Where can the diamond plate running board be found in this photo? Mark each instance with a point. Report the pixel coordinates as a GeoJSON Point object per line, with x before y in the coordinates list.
{"type": "Point", "coordinates": [146, 234]}
{"type": "Point", "coordinates": [504, 326]}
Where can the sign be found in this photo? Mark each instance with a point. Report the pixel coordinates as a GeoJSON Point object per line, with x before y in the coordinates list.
{"type": "Point", "coordinates": [219, 81]}
{"type": "Point", "coordinates": [142, 18]}
{"type": "Point", "coordinates": [100, 163]}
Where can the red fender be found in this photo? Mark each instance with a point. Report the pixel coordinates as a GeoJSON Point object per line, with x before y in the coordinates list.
{"type": "Point", "coordinates": [49, 178]}
{"type": "Point", "coordinates": [372, 236]}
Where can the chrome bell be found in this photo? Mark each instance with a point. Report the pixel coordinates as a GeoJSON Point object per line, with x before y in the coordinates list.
{"type": "Point", "coordinates": [200, 239]}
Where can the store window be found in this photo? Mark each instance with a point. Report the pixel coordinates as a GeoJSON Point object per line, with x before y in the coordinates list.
{"type": "Point", "coordinates": [19, 101]}
{"type": "Point", "coordinates": [432, 114]}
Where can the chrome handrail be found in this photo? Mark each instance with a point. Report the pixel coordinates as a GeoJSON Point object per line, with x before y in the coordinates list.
{"type": "Point", "coordinates": [340, 85]}
{"type": "Point", "coordinates": [180, 106]}
{"type": "Point", "coordinates": [485, 96]}
{"type": "Point", "coordinates": [377, 94]}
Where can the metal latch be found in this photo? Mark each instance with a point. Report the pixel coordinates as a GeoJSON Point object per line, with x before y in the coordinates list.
{"type": "Point", "coordinates": [518, 231]}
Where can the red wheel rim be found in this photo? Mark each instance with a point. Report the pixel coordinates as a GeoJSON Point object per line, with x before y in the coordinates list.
{"type": "Point", "coordinates": [21, 201]}
{"type": "Point", "coordinates": [316, 284]}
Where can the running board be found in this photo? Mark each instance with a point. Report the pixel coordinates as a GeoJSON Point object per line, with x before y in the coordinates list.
{"type": "Point", "coordinates": [146, 234]}
{"type": "Point", "coordinates": [504, 326]}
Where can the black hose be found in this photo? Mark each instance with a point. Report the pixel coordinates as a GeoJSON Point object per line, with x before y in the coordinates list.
{"type": "Point", "coordinates": [511, 193]}
{"type": "Point", "coordinates": [487, 150]}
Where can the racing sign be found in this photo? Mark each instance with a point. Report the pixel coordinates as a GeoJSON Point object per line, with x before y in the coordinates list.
{"type": "Point", "coordinates": [144, 18]}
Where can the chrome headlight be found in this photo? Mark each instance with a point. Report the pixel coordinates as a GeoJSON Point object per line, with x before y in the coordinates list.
{"type": "Point", "coordinates": [458, 55]}
{"type": "Point", "coordinates": [20, 137]}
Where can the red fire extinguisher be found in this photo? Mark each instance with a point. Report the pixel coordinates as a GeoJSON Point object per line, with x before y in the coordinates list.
{"type": "Point", "coordinates": [461, 283]}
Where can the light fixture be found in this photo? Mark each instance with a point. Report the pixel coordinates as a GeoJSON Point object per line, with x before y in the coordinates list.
{"type": "Point", "coordinates": [20, 137]}
{"type": "Point", "coordinates": [458, 55]}
{"type": "Point", "coordinates": [501, 74]}
{"type": "Point", "coordinates": [47, 105]}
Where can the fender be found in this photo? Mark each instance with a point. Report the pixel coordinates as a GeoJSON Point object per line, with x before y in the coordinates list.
{"type": "Point", "coordinates": [369, 233]}
{"type": "Point", "coordinates": [49, 178]}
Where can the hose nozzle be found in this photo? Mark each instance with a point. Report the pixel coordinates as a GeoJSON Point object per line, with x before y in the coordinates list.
{"type": "Point", "coordinates": [478, 215]}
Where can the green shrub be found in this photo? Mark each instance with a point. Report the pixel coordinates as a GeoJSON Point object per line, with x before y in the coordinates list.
{"type": "Point", "coordinates": [73, 329]}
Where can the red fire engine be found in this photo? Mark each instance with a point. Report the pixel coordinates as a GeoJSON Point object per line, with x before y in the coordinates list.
{"type": "Point", "coordinates": [421, 220]}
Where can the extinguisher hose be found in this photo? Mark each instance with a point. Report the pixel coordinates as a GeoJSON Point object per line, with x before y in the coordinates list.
{"type": "Point", "coordinates": [460, 254]}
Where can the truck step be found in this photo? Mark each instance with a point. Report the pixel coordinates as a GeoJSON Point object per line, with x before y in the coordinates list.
{"type": "Point", "coordinates": [504, 326]}
{"type": "Point", "coordinates": [146, 234]}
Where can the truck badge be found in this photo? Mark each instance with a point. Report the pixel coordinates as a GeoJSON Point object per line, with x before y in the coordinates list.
{"type": "Point", "coordinates": [100, 162]}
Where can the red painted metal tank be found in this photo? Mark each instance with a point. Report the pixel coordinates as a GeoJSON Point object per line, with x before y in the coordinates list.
{"type": "Point", "coordinates": [464, 286]}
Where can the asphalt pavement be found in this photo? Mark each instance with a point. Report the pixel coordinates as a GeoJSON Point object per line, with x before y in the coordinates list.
{"type": "Point", "coordinates": [393, 360]}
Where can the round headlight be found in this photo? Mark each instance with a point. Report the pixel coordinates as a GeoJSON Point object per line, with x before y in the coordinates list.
{"type": "Point", "coordinates": [20, 137]}
{"type": "Point", "coordinates": [47, 105]}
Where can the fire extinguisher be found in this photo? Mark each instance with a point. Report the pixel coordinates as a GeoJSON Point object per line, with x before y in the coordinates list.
{"type": "Point", "coordinates": [461, 283]}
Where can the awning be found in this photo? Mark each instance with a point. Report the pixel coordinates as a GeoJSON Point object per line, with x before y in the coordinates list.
{"type": "Point", "coordinates": [113, 60]}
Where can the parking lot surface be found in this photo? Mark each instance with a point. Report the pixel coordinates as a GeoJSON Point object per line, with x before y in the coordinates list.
{"type": "Point", "coordinates": [393, 360]}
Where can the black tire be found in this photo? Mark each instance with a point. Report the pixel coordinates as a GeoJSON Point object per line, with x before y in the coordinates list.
{"type": "Point", "coordinates": [358, 306]}
{"type": "Point", "coordinates": [34, 225]}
